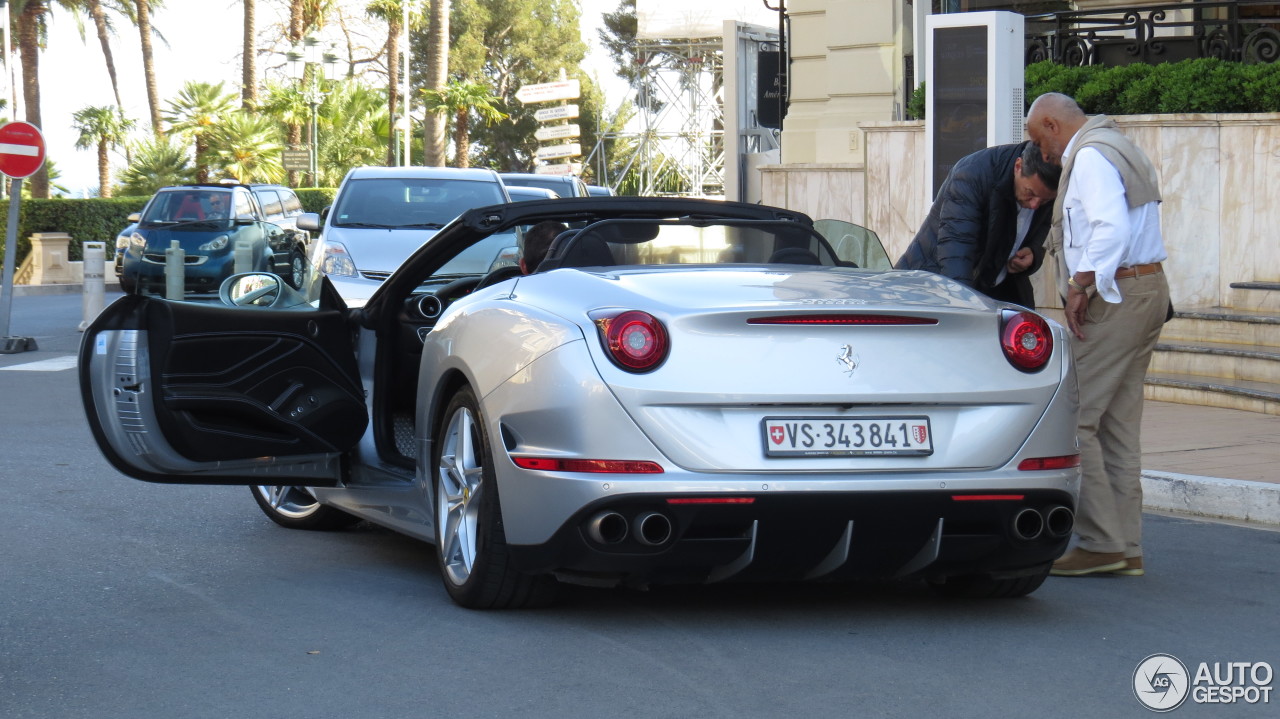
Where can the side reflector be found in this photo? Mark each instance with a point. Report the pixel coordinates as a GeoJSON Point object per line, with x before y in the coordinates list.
{"type": "Point", "coordinates": [881, 320]}
{"type": "Point", "coordinates": [590, 466]}
{"type": "Point", "coordinates": [987, 497]}
{"type": "Point", "coordinates": [1037, 463]}
{"type": "Point", "coordinates": [711, 500]}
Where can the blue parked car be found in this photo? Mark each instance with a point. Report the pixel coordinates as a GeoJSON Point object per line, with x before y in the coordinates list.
{"type": "Point", "coordinates": [207, 221]}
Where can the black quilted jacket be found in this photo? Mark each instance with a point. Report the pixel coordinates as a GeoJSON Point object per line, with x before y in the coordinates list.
{"type": "Point", "coordinates": [970, 229]}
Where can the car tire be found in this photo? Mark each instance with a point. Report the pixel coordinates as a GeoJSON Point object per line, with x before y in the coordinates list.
{"type": "Point", "coordinates": [475, 561]}
{"type": "Point", "coordinates": [297, 269]}
{"type": "Point", "coordinates": [982, 586]}
{"type": "Point", "coordinates": [295, 508]}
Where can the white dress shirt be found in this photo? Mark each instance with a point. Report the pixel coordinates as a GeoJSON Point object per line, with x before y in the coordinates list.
{"type": "Point", "coordinates": [1100, 234]}
{"type": "Point", "coordinates": [1024, 224]}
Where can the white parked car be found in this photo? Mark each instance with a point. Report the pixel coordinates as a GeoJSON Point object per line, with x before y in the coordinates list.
{"type": "Point", "coordinates": [382, 214]}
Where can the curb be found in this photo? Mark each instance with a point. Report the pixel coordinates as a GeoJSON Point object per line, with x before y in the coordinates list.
{"type": "Point", "coordinates": [62, 289]}
{"type": "Point", "coordinates": [1257, 502]}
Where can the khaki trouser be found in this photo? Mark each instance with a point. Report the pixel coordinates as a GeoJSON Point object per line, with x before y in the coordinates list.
{"type": "Point", "coordinates": [1111, 364]}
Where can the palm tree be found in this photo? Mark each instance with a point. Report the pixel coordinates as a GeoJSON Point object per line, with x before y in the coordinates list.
{"type": "Point", "coordinates": [157, 162]}
{"type": "Point", "coordinates": [437, 72]}
{"type": "Point", "coordinates": [354, 129]}
{"type": "Point", "coordinates": [143, 19]}
{"type": "Point", "coordinates": [196, 112]}
{"type": "Point", "coordinates": [103, 128]}
{"type": "Point", "coordinates": [460, 98]}
{"type": "Point", "coordinates": [392, 11]}
{"type": "Point", "coordinates": [247, 146]}
{"type": "Point", "coordinates": [30, 16]}
{"type": "Point", "coordinates": [249, 58]}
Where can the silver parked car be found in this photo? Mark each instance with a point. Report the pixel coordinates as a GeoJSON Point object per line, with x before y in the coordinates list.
{"type": "Point", "coordinates": [382, 214]}
{"type": "Point", "coordinates": [683, 391]}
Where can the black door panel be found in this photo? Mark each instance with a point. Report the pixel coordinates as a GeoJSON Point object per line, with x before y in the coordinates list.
{"type": "Point", "coordinates": [240, 383]}
{"type": "Point", "coordinates": [213, 394]}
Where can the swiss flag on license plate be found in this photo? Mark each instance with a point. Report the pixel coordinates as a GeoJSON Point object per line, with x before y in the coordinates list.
{"type": "Point", "coordinates": [776, 433]}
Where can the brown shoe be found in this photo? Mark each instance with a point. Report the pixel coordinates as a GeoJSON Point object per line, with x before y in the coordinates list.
{"type": "Point", "coordinates": [1079, 562]}
{"type": "Point", "coordinates": [1132, 567]}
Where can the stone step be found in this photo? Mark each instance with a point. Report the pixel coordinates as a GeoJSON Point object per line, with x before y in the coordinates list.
{"type": "Point", "coordinates": [1263, 296]}
{"type": "Point", "coordinates": [1261, 397]}
{"type": "Point", "coordinates": [1226, 361]}
{"type": "Point", "coordinates": [1224, 325]}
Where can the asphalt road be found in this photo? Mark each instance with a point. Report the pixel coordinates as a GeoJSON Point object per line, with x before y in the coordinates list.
{"type": "Point", "coordinates": [123, 599]}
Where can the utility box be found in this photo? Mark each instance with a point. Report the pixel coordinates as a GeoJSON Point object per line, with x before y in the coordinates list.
{"type": "Point", "coordinates": [974, 87]}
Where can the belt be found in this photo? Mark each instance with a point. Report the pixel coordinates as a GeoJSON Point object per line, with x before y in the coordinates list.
{"type": "Point", "coordinates": [1139, 270]}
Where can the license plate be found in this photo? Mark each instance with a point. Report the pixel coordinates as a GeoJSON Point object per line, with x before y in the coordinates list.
{"type": "Point", "coordinates": [833, 437]}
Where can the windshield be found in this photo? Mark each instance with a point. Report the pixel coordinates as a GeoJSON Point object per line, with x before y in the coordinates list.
{"type": "Point", "coordinates": [410, 202]}
{"type": "Point", "coordinates": [188, 206]}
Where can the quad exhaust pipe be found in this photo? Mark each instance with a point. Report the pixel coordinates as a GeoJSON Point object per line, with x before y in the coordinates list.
{"type": "Point", "coordinates": [607, 528]}
{"type": "Point", "coordinates": [1059, 521]}
{"type": "Point", "coordinates": [652, 529]}
{"type": "Point", "coordinates": [1056, 521]}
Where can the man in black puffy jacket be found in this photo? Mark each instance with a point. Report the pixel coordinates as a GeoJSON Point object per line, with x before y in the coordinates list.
{"type": "Point", "coordinates": [987, 226]}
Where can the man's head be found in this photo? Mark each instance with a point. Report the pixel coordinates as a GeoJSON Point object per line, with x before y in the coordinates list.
{"type": "Point", "coordinates": [218, 203]}
{"type": "Point", "coordinates": [1052, 121]}
{"type": "Point", "coordinates": [1035, 181]}
{"type": "Point", "coordinates": [535, 242]}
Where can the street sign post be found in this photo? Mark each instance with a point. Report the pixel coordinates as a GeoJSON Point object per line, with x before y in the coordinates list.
{"type": "Point", "coordinates": [21, 155]}
{"type": "Point", "coordinates": [551, 152]}
{"type": "Point", "coordinates": [557, 132]}
{"type": "Point", "coordinates": [551, 114]}
{"type": "Point", "coordinates": [296, 160]}
{"type": "Point", "coordinates": [549, 92]}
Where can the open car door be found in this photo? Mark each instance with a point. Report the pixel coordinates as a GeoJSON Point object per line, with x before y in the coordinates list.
{"type": "Point", "coordinates": [204, 393]}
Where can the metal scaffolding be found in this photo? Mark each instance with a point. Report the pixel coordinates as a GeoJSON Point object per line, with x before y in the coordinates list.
{"type": "Point", "coordinates": [675, 144]}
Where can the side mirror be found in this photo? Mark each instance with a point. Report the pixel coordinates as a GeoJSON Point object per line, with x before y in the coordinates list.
{"type": "Point", "coordinates": [258, 289]}
{"type": "Point", "coordinates": [245, 219]}
{"type": "Point", "coordinates": [309, 221]}
{"type": "Point", "coordinates": [134, 216]}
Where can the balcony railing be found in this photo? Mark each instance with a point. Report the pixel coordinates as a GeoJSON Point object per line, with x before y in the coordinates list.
{"type": "Point", "coordinates": [1242, 31]}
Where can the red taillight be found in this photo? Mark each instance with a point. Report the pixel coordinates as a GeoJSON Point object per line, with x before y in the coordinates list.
{"type": "Point", "coordinates": [1026, 339]}
{"type": "Point", "coordinates": [711, 500]}
{"type": "Point", "coordinates": [986, 497]}
{"type": "Point", "coordinates": [836, 319]}
{"type": "Point", "coordinates": [636, 341]}
{"type": "Point", "coordinates": [1066, 461]}
{"type": "Point", "coordinates": [591, 466]}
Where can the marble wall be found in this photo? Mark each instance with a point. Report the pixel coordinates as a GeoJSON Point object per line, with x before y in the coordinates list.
{"type": "Point", "coordinates": [1218, 174]}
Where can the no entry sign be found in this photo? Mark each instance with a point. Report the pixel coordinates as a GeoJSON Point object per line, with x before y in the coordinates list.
{"type": "Point", "coordinates": [21, 149]}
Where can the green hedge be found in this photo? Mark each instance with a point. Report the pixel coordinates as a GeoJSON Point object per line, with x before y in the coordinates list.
{"type": "Point", "coordinates": [1205, 85]}
{"type": "Point", "coordinates": [315, 199]}
{"type": "Point", "coordinates": [94, 219]}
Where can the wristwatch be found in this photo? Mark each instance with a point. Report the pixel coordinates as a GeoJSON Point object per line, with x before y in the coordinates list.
{"type": "Point", "coordinates": [1072, 281]}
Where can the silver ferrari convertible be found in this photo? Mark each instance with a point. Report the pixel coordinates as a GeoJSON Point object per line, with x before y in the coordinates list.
{"type": "Point", "coordinates": [682, 391]}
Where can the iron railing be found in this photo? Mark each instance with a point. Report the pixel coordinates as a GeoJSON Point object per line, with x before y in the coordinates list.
{"type": "Point", "coordinates": [1157, 33]}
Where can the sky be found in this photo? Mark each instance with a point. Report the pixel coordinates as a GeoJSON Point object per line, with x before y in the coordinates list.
{"type": "Point", "coordinates": [203, 43]}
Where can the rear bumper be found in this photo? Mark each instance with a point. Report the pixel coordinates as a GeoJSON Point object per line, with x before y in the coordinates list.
{"type": "Point", "coordinates": [809, 536]}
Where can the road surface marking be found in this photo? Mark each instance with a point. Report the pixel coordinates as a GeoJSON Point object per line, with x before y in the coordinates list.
{"type": "Point", "coordinates": [53, 364]}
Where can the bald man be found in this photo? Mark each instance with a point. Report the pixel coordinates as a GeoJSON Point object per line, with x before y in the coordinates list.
{"type": "Point", "coordinates": [1110, 251]}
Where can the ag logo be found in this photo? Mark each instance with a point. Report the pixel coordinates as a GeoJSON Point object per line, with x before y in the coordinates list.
{"type": "Point", "coordinates": [1161, 682]}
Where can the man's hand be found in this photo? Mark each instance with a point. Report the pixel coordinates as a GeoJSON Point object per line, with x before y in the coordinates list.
{"type": "Point", "coordinates": [1077, 303]}
{"type": "Point", "coordinates": [1020, 261]}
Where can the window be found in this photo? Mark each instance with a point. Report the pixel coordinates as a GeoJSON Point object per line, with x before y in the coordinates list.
{"type": "Point", "coordinates": [270, 202]}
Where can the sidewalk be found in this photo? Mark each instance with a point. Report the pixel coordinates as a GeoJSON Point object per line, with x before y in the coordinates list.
{"type": "Point", "coordinates": [1211, 462]}
{"type": "Point", "coordinates": [1200, 461]}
